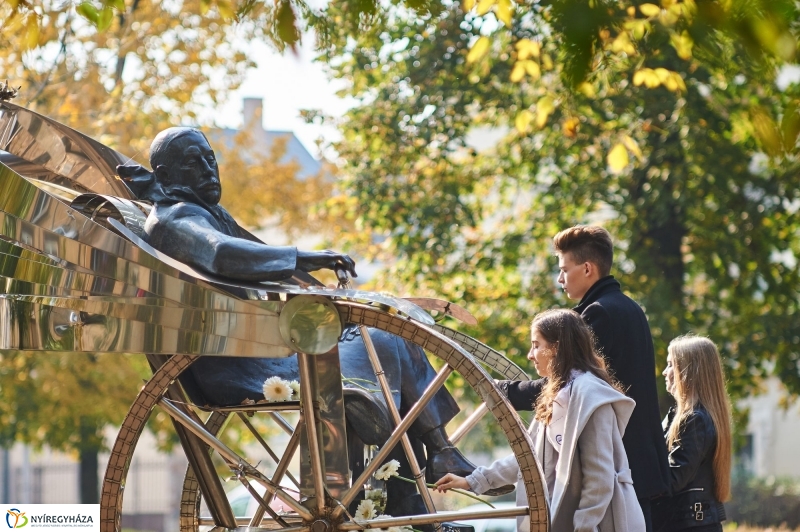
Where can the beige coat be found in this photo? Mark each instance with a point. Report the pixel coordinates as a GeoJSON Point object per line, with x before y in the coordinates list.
{"type": "Point", "coordinates": [593, 490]}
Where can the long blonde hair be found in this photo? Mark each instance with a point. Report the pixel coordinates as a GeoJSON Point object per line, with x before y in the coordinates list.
{"type": "Point", "coordinates": [574, 343]}
{"type": "Point", "coordinates": [699, 380]}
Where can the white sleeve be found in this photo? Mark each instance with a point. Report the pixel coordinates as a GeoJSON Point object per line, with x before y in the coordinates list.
{"type": "Point", "coordinates": [501, 473]}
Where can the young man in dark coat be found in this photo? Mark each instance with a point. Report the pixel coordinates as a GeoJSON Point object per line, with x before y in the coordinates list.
{"type": "Point", "coordinates": [585, 255]}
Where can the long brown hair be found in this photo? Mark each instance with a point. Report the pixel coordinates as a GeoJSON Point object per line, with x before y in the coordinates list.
{"type": "Point", "coordinates": [699, 381]}
{"type": "Point", "coordinates": [574, 344]}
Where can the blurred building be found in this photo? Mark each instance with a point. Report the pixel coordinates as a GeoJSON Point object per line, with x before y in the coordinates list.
{"type": "Point", "coordinates": [773, 431]}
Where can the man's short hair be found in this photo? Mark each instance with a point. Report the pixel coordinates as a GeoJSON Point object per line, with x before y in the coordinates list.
{"type": "Point", "coordinates": [587, 243]}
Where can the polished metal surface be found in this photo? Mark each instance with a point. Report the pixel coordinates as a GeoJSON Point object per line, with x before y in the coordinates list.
{"type": "Point", "coordinates": [321, 376]}
{"type": "Point", "coordinates": [84, 162]}
{"type": "Point", "coordinates": [311, 324]}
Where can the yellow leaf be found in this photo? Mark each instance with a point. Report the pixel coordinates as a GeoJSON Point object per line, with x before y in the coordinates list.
{"type": "Point", "coordinates": [478, 49]}
{"type": "Point", "coordinates": [225, 9]}
{"type": "Point", "coordinates": [623, 44]}
{"type": "Point", "coordinates": [31, 31]}
{"type": "Point", "coordinates": [683, 44]}
{"type": "Point", "coordinates": [632, 146]}
{"type": "Point", "coordinates": [662, 73]}
{"type": "Point", "coordinates": [518, 72]}
{"type": "Point", "coordinates": [533, 70]}
{"type": "Point", "coordinates": [650, 10]}
{"type": "Point", "coordinates": [587, 89]}
{"type": "Point", "coordinates": [547, 63]}
{"type": "Point", "coordinates": [523, 121]}
{"type": "Point", "coordinates": [504, 11]}
{"type": "Point", "coordinates": [571, 127]}
{"type": "Point", "coordinates": [638, 27]}
{"type": "Point", "coordinates": [527, 48]}
{"type": "Point", "coordinates": [617, 158]}
{"type": "Point", "coordinates": [484, 6]}
{"type": "Point", "coordinates": [205, 5]}
{"type": "Point", "coordinates": [646, 77]}
{"type": "Point", "coordinates": [669, 16]}
{"type": "Point", "coordinates": [468, 5]}
{"type": "Point", "coordinates": [544, 108]}
{"type": "Point", "coordinates": [767, 132]}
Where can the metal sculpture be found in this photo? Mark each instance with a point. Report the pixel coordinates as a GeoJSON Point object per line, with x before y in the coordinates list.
{"type": "Point", "coordinates": [93, 259]}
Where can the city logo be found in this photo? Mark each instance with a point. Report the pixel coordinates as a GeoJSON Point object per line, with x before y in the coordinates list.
{"type": "Point", "coordinates": [19, 518]}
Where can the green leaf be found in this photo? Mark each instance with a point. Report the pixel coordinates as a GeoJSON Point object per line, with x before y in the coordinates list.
{"type": "Point", "coordinates": [89, 12]}
{"type": "Point", "coordinates": [104, 18]}
{"type": "Point", "coordinates": [790, 127]}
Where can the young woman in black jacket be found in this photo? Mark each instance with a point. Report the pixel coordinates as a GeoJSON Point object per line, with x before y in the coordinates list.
{"type": "Point", "coordinates": [698, 434]}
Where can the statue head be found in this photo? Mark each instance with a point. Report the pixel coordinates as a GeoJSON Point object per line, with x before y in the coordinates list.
{"type": "Point", "coordinates": [182, 159]}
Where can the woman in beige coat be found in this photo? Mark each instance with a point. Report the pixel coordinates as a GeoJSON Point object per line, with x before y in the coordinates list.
{"type": "Point", "coordinates": [577, 432]}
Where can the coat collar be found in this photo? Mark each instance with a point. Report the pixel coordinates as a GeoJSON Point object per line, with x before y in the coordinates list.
{"type": "Point", "coordinates": [606, 285]}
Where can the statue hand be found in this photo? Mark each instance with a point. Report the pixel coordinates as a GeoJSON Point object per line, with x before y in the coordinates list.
{"type": "Point", "coordinates": [309, 261]}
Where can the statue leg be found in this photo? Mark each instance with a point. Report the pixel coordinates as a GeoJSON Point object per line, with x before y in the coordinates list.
{"type": "Point", "coordinates": [409, 373]}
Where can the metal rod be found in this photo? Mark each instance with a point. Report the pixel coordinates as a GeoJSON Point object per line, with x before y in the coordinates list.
{"type": "Point", "coordinates": [285, 406]}
{"type": "Point", "coordinates": [244, 521]}
{"type": "Point", "coordinates": [419, 478]}
{"type": "Point", "coordinates": [261, 502]}
{"type": "Point", "coordinates": [469, 423]}
{"type": "Point", "coordinates": [233, 459]}
{"type": "Point", "coordinates": [283, 465]}
{"type": "Point", "coordinates": [309, 405]}
{"type": "Point", "coordinates": [397, 433]}
{"type": "Point", "coordinates": [426, 519]}
{"type": "Point", "coordinates": [266, 446]}
{"type": "Point", "coordinates": [282, 423]}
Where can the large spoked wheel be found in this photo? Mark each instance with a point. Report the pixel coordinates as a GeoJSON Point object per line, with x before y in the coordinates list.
{"type": "Point", "coordinates": [330, 510]}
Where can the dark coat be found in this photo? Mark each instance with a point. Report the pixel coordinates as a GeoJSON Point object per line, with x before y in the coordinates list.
{"type": "Point", "coordinates": [691, 466]}
{"type": "Point", "coordinates": [623, 336]}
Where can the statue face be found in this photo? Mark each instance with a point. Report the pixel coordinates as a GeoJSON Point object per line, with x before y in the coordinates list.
{"type": "Point", "coordinates": [192, 165]}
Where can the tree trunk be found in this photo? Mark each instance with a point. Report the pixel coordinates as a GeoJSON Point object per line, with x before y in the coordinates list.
{"type": "Point", "coordinates": [88, 470]}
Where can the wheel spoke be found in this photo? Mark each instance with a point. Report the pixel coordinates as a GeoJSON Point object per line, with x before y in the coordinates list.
{"type": "Point", "coordinates": [469, 423]}
{"type": "Point", "coordinates": [266, 447]}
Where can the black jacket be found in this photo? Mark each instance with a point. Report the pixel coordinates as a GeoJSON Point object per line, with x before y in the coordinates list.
{"type": "Point", "coordinates": [623, 336]}
{"type": "Point", "coordinates": [691, 466]}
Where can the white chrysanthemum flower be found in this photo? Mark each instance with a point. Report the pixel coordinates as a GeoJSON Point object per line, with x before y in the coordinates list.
{"type": "Point", "coordinates": [295, 386]}
{"type": "Point", "coordinates": [277, 390]}
{"type": "Point", "coordinates": [365, 510]}
{"type": "Point", "coordinates": [387, 470]}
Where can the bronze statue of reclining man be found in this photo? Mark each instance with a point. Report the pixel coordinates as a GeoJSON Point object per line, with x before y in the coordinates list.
{"type": "Point", "coordinates": [188, 224]}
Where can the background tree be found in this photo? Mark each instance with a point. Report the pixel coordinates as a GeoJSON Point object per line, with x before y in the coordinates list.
{"type": "Point", "coordinates": [688, 156]}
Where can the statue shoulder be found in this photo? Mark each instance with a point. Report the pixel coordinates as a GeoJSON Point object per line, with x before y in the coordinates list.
{"type": "Point", "coordinates": [162, 216]}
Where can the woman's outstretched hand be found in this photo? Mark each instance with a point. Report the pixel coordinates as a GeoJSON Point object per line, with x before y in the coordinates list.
{"type": "Point", "coordinates": [451, 481]}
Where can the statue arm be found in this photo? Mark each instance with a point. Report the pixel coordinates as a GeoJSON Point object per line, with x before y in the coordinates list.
{"type": "Point", "coordinates": [194, 241]}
